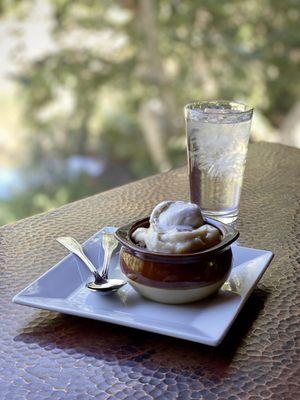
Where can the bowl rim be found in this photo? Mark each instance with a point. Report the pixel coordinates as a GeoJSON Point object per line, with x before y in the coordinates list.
{"type": "Point", "coordinates": [123, 235]}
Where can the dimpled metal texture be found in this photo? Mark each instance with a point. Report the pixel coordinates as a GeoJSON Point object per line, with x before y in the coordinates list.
{"type": "Point", "coordinates": [46, 355]}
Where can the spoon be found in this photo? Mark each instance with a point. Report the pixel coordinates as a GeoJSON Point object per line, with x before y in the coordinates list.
{"type": "Point", "coordinates": [101, 283]}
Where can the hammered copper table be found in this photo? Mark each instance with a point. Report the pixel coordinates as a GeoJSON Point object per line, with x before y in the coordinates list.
{"type": "Point", "coordinates": [45, 355]}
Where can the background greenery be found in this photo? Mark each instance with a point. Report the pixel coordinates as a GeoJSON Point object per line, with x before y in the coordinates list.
{"type": "Point", "coordinates": [111, 87]}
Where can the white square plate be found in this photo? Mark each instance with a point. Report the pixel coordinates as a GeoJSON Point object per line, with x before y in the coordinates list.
{"type": "Point", "coordinates": [62, 289]}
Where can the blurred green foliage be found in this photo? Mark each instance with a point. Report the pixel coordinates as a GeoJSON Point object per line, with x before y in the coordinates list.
{"type": "Point", "coordinates": [123, 65]}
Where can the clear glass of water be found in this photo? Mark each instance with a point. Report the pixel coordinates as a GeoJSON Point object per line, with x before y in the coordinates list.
{"type": "Point", "coordinates": [217, 142]}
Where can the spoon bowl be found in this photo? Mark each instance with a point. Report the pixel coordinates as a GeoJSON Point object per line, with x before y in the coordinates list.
{"type": "Point", "coordinates": [111, 285]}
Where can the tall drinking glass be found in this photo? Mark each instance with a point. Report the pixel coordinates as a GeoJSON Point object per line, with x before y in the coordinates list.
{"type": "Point", "coordinates": [217, 142]}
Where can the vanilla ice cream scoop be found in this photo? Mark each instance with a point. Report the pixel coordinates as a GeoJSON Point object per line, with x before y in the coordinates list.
{"type": "Point", "coordinates": [179, 215]}
{"type": "Point", "coordinates": [177, 227]}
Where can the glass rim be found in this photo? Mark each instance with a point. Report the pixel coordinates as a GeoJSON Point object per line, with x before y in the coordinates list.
{"type": "Point", "coordinates": [196, 105]}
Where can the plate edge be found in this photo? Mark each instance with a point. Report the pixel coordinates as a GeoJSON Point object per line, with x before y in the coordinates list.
{"type": "Point", "coordinates": [243, 302]}
{"type": "Point", "coordinates": [128, 324]}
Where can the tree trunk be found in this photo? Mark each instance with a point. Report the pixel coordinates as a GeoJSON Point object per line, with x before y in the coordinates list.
{"type": "Point", "coordinates": [155, 113]}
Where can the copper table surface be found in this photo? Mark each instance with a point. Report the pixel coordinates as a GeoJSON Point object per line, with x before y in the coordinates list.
{"type": "Point", "coordinates": [46, 355]}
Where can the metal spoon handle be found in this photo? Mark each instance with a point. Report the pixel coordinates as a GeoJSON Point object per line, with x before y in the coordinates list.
{"type": "Point", "coordinates": [72, 245]}
{"type": "Point", "coordinates": [109, 244]}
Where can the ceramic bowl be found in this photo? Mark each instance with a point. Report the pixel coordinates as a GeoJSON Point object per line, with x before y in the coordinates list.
{"type": "Point", "coordinates": [176, 278]}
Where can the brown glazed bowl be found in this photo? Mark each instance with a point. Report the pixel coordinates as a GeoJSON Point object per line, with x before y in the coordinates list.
{"type": "Point", "coordinates": [176, 278]}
